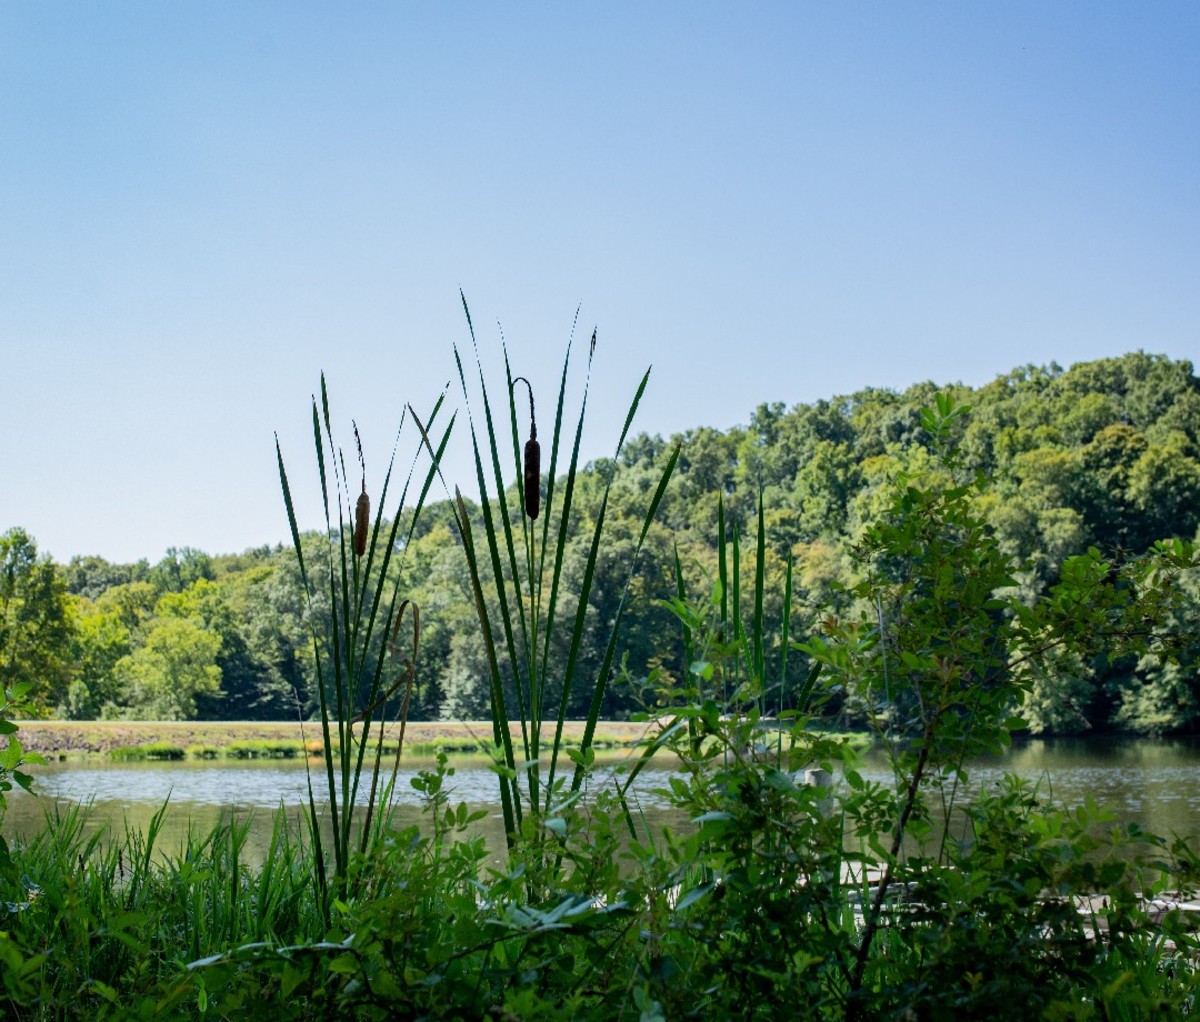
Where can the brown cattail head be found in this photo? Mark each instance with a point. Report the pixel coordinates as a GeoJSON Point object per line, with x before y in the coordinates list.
{"type": "Point", "coordinates": [362, 523]}
{"type": "Point", "coordinates": [362, 512]}
{"type": "Point", "coordinates": [533, 477]}
{"type": "Point", "coordinates": [533, 459]}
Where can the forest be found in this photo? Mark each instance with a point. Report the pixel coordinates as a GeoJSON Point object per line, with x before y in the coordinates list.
{"type": "Point", "coordinates": [1104, 455]}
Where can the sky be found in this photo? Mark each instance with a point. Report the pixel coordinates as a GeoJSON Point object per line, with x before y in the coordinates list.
{"type": "Point", "coordinates": [204, 206]}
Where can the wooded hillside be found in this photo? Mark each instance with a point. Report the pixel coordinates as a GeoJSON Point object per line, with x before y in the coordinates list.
{"type": "Point", "coordinates": [1105, 455]}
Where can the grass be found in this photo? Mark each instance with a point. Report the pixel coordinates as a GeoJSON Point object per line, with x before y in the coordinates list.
{"type": "Point", "coordinates": [266, 749]}
{"type": "Point", "coordinates": [366, 659]}
{"type": "Point", "coordinates": [119, 909]}
{"type": "Point", "coordinates": [150, 750]}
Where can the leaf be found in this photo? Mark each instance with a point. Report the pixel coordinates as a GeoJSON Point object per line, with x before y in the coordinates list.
{"type": "Point", "coordinates": [714, 816]}
{"type": "Point", "coordinates": [693, 896]}
{"type": "Point", "coordinates": [344, 965]}
{"type": "Point", "coordinates": [105, 991]}
{"type": "Point", "coordinates": [12, 755]}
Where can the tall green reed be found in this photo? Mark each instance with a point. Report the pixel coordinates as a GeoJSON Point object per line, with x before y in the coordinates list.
{"type": "Point", "coordinates": [733, 672]}
{"type": "Point", "coordinates": [521, 559]}
{"type": "Point", "coordinates": [359, 693]}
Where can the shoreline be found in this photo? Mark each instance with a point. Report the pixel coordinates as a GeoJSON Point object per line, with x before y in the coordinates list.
{"type": "Point", "coordinates": [61, 739]}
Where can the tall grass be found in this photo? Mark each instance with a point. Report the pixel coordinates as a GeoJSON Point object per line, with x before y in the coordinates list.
{"type": "Point", "coordinates": [523, 558]}
{"type": "Point", "coordinates": [364, 670]}
{"type": "Point", "coordinates": [117, 912]}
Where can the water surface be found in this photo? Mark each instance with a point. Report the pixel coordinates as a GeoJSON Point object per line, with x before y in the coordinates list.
{"type": "Point", "coordinates": [1155, 783]}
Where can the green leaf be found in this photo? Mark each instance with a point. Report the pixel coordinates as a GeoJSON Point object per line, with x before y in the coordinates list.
{"type": "Point", "coordinates": [12, 755]}
{"type": "Point", "coordinates": [693, 896]}
{"type": "Point", "coordinates": [713, 816]}
{"type": "Point", "coordinates": [345, 965]}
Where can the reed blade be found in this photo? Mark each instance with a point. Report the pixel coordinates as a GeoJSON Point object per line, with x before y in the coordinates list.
{"type": "Point", "coordinates": [601, 682]}
{"type": "Point", "coordinates": [758, 652]}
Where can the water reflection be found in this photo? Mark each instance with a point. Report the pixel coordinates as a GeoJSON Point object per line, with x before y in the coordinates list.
{"type": "Point", "coordinates": [243, 785]}
{"type": "Point", "coordinates": [199, 795]}
{"type": "Point", "coordinates": [1153, 783]}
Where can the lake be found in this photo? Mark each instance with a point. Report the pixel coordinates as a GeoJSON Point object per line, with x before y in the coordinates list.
{"type": "Point", "coordinates": [203, 793]}
{"type": "Point", "coordinates": [1153, 782]}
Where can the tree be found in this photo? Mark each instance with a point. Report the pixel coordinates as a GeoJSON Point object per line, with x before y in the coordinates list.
{"type": "Point", "coordinates": [823, 488]}
{"type": "Point", "coordinates": [1164, 491]}
{"type": "Point", "coordinates": [177, 664]}
{"type": "Point", "coordinates": [1163, 693]}
{"type": "Point", "coordinates": [180, 569]}
{"type": "Point", "coordinates": [90, 577]}
{"type": "Point", "coordinates": [35, 623]}
{"type": "Point", "coordinates": [132, 604]}
{"type": "Point", "coordinates": [252, 685]}
{"type": "Point", "coordinates": [465, 686]}
{"type": "Point", "coordinates": [101, 640]}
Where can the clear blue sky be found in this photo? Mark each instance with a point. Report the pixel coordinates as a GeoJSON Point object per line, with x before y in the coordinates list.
{"type": "Point", "coordinates": [204, 205]}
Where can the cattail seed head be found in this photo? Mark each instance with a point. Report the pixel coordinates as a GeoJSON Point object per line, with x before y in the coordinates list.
{"type": "Point", "coordinates": [362, 523]}
{"type": "Point", "coordinates": [533, 477]}
{"type": "Point", "coordinates": [533, 459]}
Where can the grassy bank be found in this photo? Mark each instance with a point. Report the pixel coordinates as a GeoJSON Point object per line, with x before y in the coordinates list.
{"type": "Point", "coordinates": [70, 738]}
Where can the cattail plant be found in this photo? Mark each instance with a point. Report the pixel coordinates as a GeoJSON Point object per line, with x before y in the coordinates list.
{"type": "Point", "coordinates": [532, 602]}
{"type": "Point", "coordinates": [357, 688]}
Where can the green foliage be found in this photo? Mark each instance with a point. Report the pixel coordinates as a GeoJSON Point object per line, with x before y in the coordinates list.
{"type": "Point", "coordinates": [101, 642]}
{"type": "Point", "coordinates": [798, 888]}
{"type": "Point", "coordinates": [180, 570]}
{"type": "Point", "coordinates": [12, 758]}
{"type": "Point", "coordinates": [164, 677]}
{"type": "Point", "coordinates": [148, 750]}
{"type": "Point", "coordinates": [35, 624]}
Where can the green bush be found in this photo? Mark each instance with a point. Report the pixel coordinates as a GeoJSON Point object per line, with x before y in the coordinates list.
{"type": "Point", "coordinates": [263, 748]}
{"type": "Point", "coordinates": [148, 750]}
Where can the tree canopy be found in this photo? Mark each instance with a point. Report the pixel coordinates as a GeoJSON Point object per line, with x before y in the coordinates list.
{"type": "Point", "coordinates": [1104, 455]}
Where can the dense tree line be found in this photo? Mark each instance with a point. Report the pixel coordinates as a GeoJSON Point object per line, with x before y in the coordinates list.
{"type": "Point", "coordinates": [1104, 455]}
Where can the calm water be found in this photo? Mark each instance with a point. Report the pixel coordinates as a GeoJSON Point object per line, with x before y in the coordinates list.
{"type": "Point", "coordinates": [1152, 782]}
{"type": "Point", "coordinates": [202, 793]}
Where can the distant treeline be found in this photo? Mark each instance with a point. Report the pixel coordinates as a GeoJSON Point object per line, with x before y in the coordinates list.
{"type": "Point", "coordinates": [1105, 455]}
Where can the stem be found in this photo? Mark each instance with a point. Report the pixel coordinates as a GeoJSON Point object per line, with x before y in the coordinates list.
{"type": "Point", "coordinates": [855, 1008]}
